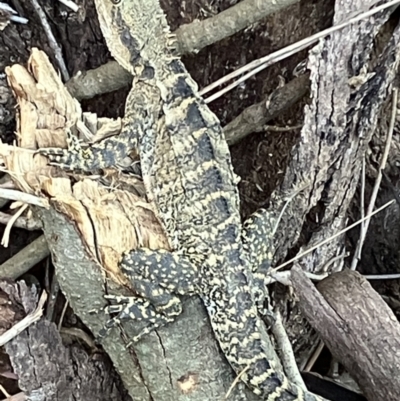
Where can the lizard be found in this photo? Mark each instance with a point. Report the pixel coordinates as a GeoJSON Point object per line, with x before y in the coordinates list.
{"type": "Point", "coordinates": [189, 178]}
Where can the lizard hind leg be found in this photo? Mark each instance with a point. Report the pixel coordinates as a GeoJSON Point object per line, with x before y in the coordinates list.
{"type": "Point", "coordinates": [156, 276]}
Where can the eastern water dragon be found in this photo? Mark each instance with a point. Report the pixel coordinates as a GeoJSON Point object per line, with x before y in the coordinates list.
{"type": "Point", "coordinates": [189, 178]}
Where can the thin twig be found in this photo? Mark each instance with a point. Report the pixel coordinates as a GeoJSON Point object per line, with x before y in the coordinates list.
{"type": "Point", "coordinates": [18, 19]}
{"type": "Point", "coordinates": [23, 197]}
{"type": "Point", "coordinates": [53, 294]}
{"type": "Point", "coordinates": [378, 181]}
{"type": "Point", "coordinates": [275, 128]}
{"type": "Point", "coordinates": [306, 252]}
{"type": "Point", "coordinates": [235, 382]}
{"type": "Point", "coordinates": [260, 64]}
{"type": "Point", "coordinates": [29, 224]}
{"type": "Point", "coordinates": [314, 357]}
{"type": "Point", "coordinates": [362, 205]}
{"type": "Point", "coordinates": [52, 40]}
{"type": "Point", "coordinates": [70, 4]}
{"type": "Point", "coordinates": [6, 235]}
{"type": "Point", "coordinates": [25, 322]}
{"type": "Point", "coordinates": [286, 352]}
{"type": "Point", "coordinates": [284, 278]}
{"type": "Point", "coordinates": [12, 14]}
{"type": "Point", "coordinates": [59, 326]}
{"type": "Point", "coordinates": [333, 260]}
{"type": "Point", "coordinates": [4, 391]}
{"type": "Point", "coordinates": [245, 77]}
{"type": "Point", "coordinates": [393, 276]}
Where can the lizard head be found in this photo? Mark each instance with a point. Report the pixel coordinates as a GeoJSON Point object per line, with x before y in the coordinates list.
{"type": "Point", "coordinates": [132, 30]}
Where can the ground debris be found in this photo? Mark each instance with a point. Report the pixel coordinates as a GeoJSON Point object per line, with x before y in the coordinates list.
{"type": "Point", "coordinates": [47, 369]}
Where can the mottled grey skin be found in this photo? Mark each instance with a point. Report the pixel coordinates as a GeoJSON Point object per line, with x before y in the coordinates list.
{"type": "Point", "coordinates": [189, 178]}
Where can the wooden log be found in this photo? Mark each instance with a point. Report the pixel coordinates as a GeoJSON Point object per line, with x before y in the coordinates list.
{"type": "Point", "coordinates": [357, 326]}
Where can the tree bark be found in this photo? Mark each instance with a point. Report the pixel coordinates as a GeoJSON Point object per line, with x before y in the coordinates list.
{"type": "Point", "coordinates": [358, 327]}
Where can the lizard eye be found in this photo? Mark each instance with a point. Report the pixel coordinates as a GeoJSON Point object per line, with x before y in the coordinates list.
{"type": "Point", "coordinates": [116, 1]}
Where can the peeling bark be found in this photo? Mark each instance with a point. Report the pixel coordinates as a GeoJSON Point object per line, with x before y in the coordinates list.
{"type": "Point", "coordinates": [326, 163]}
{"type": "Point", "coordinates": [49, 370]}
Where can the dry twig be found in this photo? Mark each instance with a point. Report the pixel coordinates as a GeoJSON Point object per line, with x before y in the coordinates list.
{"type": "Point", "coordinates": [378, 181]}
{"type": "Point", "coordinates": [314, 357]}
{"type": "Point", "coordinates": [25, 259]}
{"type": "Point", "coordinates": [70, 4]}
{"type": "Point", "coordinates": [306, 252]}
{"type": "Point", "coordinates": [52, 40]}
{"type": "Point", "coordinates": [260, 64]}
{"type": "Point", "coordinates": [25, 322]}
{"type": "Point", "coordinates": [285, 351]}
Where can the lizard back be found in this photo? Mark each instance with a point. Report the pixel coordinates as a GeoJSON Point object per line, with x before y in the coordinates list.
{"type": "Point", "coordinates": [195, 190]}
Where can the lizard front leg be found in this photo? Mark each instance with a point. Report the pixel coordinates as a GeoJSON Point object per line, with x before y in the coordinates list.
{"type": "Point", "coordinates": [141, 115]}
{"type": "Point", "coordinates": [157, 277]}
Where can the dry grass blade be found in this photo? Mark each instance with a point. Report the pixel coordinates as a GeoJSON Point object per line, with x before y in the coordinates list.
{"type": "Point", "coordinates": [394, 276]}
{"type": "Point", "coordinates": [25, 322]}
{"type": "Point", "coordinates": [6, 236]}
{"type": "Point", "coordinates": [378, 181]}
{"type": "Point", "coordinates": [70, 4]}
{"type": "Point", "coordinates": [260, 64]}
{"type": "Point", "coordinates": [235, 382]}
{"type": "Point", "coordinates": [272, 271]}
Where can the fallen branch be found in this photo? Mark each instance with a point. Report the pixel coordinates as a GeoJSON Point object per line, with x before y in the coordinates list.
{"type": "Point", "coordinates": [191, 38]}
{"type": "Point", "coordinates": [254, 118]}
{"type": "Point", "coordinates": [357, 326]}
{"type": "Point", "coordinates": [25, 259]}
{"type": "Point", "coordinates": [197, 35]}
{"type": "Point", "coordinates": [338, 126]}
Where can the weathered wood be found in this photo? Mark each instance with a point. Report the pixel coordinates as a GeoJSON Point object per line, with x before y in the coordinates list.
{"type": "Point", "coordinates": [326, 163]}
{"type": "Point", "coordinates": [49, 370]}
{"type": "Point", "coordinates": [358, 327]}
{"type": "Point", "coordinates": [254, 118]}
